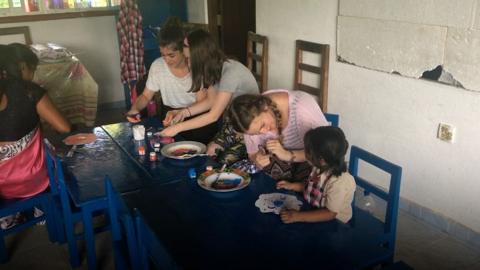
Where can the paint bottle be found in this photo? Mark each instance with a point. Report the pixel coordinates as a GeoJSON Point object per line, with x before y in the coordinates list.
{"type": "Point", "coordinates": [141, 150]}
{"type": "Point", "coordinates": [192, 174]}
{"type": "Point", "coordinates": [153, 156]}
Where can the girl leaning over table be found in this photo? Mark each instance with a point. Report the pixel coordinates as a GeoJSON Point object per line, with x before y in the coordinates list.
{"type": "Point", "coordinates": [273, 126]}
{"type": "Point", "coordinates": [170, 75]}
{"type": "Point", "coordinates": [23, 172]}
{"type": "Point", "coordinates": [329, 188]}
{"type": "Point", "coordinates": [220, 78]}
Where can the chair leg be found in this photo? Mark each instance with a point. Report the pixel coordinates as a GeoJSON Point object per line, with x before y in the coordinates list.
{"type": "Point", "coordinates": [50, 220]}
{"type": "Point", "coordinates": [132, 243]}
{"type": "Point", "coordinates": [59, 224]}
{"type": "Point", "coordinates": [72, 242]}
{"type": "Point", "coordinates": [89, 238]}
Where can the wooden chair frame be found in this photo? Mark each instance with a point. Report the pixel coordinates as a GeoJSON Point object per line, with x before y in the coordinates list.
{"type": "Point", "coordinates": [25, 30]}
{"type": "Point", "coordinates": [324, 50]}
{"type": "Point", "coordinates": [252, 59]}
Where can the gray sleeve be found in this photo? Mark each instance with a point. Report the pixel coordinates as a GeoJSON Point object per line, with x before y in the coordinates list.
{"type": "Point", "coordinates": [237, 79]}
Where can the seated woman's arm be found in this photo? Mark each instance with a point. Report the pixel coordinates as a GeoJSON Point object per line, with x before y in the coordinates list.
{"type": "Point", "coordinates": [142, 101]}
{"type": "Point", "coordinates": [215, 101]}
{"type": "Point", "coordinates": [47, 111]}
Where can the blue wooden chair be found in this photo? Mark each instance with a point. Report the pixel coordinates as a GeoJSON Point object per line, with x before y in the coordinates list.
{"type": "Point", "coordinates": [151, 250]}
{"type": "Point", "coordinates": [385, 231]}
{"type": "Point", "coordinates": [334, 119]}
{"type": "Point", "coordinates": [42, 201]}
{"type": "Point", "coordinates": [123, 230]}
{"type": "Point", "coordinates": [69, 215]}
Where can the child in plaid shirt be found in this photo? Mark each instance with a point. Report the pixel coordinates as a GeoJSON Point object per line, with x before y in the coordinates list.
{"type": "Point", "coordinates": [330, 188]}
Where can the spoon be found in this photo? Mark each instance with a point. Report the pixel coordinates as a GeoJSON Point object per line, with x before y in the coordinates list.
{"type": "Point", "coordinates": [192, 155]}
{"type": "Point", "coordinates": [219, 173]}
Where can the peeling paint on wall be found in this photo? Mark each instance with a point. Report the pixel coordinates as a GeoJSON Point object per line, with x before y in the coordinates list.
{"type": "Point", "coordinates": [409, 45]}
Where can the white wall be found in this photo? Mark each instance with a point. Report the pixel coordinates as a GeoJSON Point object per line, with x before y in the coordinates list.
{"type": "Point", "coordinates": [390, 115]}
{"type": "Point", "coordinates": [94, 41]}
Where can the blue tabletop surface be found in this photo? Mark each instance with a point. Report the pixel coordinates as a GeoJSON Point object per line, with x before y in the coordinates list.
{"type": "Point", "coordinates": [208, 230]}
{"type": "Point", "coordinates": [163, 170]}
{"type": "Point", "coordinates": [114, 153]}
{"type": "Point", "coordinates": [90, 163]}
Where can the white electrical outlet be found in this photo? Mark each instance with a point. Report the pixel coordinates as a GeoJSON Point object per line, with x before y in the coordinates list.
{"type": "Point", "coordinates": [446, 132]}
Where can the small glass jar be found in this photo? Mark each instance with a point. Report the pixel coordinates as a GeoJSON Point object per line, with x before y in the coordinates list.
{"type": "Point", "coordinates": [153, 156]}
{"type": "Point", "coordinates": [141, 150]}
{"type": "Point", "coordinates": [156, 147]}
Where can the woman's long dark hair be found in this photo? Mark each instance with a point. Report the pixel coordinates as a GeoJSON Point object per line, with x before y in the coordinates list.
{"type": "Point", "coordinates": [327, 143]}
{"type": "Point", "coordinates": [9, 68]}
{"type": "Point", "coordinates": [206, 60]}
{"type": "Point", "coordinates": [23, 53]}
{"type": "Point", "coordinates": [172, 34]}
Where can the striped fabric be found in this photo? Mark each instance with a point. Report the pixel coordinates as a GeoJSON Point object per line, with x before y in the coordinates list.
{"type": "Point", "coordinates": [129, 27]}
{"type": "Point", "coordinates": [314, 190]}
{"type": "Point", "coordinates": [71, 88]}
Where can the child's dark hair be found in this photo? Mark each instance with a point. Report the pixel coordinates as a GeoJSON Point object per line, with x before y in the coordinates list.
{"type": "Point", "coordinates": [23, 53]}
{"type": "Point", "coordinates": [245, 108]}
{"type": "Point", "coordinates": [172, 34]}
{"type": "Point", "coordinates": [327, 143]}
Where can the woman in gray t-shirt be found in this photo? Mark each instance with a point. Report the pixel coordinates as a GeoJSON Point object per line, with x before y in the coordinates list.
{"type": "Point", "coordinates": [222, 79]}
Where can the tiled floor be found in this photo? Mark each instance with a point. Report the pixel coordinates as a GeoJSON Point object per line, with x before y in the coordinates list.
{"type": "Point", "coordinates": [418, 244]}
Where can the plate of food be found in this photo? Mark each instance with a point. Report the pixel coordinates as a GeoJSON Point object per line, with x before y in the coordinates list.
{"type": "Point", "coordinates": [224, 181]}
{"type": "Point", "coordinates": [183, 150]}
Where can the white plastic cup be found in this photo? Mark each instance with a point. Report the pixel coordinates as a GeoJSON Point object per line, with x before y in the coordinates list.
{"type": "Point", "coordinates": [138, 132]}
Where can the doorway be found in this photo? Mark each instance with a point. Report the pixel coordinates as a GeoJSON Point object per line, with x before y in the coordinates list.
{"type": "Point", "coordinates": [229, 21]}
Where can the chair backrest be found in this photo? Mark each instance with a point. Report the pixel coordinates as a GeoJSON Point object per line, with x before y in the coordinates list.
{"type": "Point", "coordinates": [391, 196]}
{"type": "Point", "coordinates": [151, 250]}
{"type": "Point", "coordinates": [123, 230]}
{"type": "Point", "coordinates": [57, 184]}
{"type": "Point", "coordinates": [52, 170]}
{"type": "Point", "coordinates": [321, 91]}
{"type": "Point", "coordinates": [254, 57]}
{"type": "Point", "coordinates": [334, 119]}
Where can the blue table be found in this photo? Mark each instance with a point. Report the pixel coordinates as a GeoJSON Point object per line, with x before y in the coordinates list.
{"type": "Point", "coordinates": [208, 230]}
{"type": "Point", "coordinates": [114, 153]}
{"type": "Point", "coordinates": [87, 168]}
{"type": "Point", "coordinates": [205, 230]}
{"type": "Point", "coordinates": [162, 171]}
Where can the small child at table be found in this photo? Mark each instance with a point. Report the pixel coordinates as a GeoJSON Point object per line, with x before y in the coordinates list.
{"type": "Point", "coordinates": [330, 188]}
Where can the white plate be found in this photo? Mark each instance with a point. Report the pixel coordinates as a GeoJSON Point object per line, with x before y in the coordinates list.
{"type": "Point", "coordinates": [194, 148]}
{"type": "Point", "coordinates": [223, 181]}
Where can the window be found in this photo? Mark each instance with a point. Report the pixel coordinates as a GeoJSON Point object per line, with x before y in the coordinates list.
{"type": "Point", "coordinates": [31, 7]}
